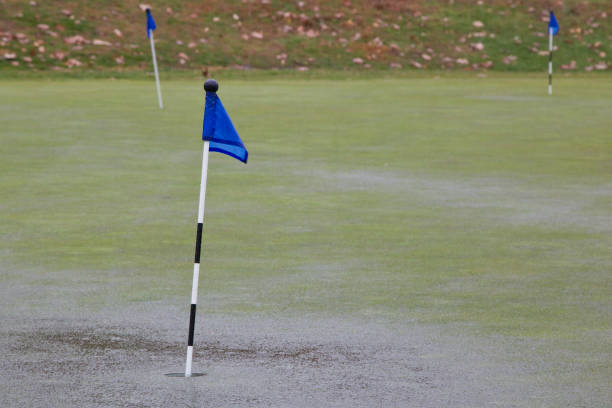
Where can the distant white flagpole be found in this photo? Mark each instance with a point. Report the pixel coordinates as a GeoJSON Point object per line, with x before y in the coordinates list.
{"type": "Point", "coordinates": [550, 56]}
{"type": "Point", "coordinates": [196, 263]}
{"type": "Point", "coordinates": [159, 97]}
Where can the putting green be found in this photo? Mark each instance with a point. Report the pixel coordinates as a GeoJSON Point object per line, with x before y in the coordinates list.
{"type": "Point", "coordinates": [481, 204]}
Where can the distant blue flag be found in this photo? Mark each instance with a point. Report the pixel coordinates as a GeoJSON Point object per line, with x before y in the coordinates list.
{"type": "Point", "coordinates": [219, 130]}
{"type": "Point", "coordinates": [150, 23]}
{"type": "Point", "coordinates": [553, 24]}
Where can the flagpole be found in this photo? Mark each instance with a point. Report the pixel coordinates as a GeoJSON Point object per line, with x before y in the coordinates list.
{"type": "Point", "coordinates": [196, 262]}
{"type": "Point", "coordinates": [550, 56]}
{"type": "Point", "coordinates": [159, 97]}
{"type": "Point", "coordinates": [218, 129]}
{"type": "Point", "coordinates": [210, 85]}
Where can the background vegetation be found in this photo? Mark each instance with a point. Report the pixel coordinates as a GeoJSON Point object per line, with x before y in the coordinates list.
{"type": "Point", "coordinates": [503, 35]}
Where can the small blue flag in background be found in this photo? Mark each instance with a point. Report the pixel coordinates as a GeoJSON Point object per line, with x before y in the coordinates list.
{"type": "Point", "coordinates": [553, 24]}
{"type": "Point", "coordinates": [150, 23]}
{"type": "Point", "coordinates": [219, 130]}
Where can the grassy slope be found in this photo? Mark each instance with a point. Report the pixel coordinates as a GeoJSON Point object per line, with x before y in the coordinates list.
{"type": "Point", "coordinates": [481, 203]}
{"type": "Point", "coordinates": [380, 32]}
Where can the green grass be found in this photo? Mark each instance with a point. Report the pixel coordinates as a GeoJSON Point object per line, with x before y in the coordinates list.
{"type": "Point", "coordinates": [380, 33]}
{"type": "Point", "coordinates": [470, 201]}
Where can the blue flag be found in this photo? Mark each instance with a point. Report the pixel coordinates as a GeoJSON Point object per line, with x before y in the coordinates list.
{"type": "Point", "coordinates": [553, 24]}
{"type": "Point", "coordinates": [150, 23]}
{"type": "Point", "coordinates": [219, 130]}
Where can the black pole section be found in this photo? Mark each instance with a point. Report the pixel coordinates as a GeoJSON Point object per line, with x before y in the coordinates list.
{"type": "Point", "coordinates": [198, 245]}
{"type": "Point", "coordinates": [550, 67]}
{"type": "Point", "coordinates": [192, 315]}
{"type": "Point", "coordinates": [192, 312]}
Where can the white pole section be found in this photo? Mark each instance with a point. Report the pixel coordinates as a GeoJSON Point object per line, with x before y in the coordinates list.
{"type": "Point", "coordinates": [196, 263]}
{"type": "Point", "coordinates": [550, 54]}
{"type": "Point", "coordinates": [159, 98]}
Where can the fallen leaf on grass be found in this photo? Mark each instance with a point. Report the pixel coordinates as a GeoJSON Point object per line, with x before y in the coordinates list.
{"type": "Point", "coordinates": [97, 41]}
{"type": "Point", "coordinates": [509, 59]}
{"type": "Point", "coordinates": [76, 39]}
{"type": "Point", "coordinates": [477, 46]}
{"type": "Point", "coordinates": [73, 62]}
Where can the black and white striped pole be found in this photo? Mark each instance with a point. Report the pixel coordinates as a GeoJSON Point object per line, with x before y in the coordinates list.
{"type": "Point", "coordinates": [550, 55]}
{"type": "Point", "coordinates": [196, 262]}
{"type": "Point", "coordinates": [553, 29]}
{"type": "Point", "coordinates": [209, 86]}
{"type": "Point", "coordinates": [219, 135]}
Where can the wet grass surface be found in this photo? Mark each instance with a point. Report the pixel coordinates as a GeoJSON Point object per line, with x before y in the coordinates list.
{"type": "Point", "coordinates": [404, 242]}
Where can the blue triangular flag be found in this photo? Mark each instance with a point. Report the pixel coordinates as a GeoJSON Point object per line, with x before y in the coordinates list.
{"type": "Point", "coordinates": [553, 24]}
{"type": "Point", "coordinates": [150, 23]}
{"type": "Point", "coordinates": [219, 130]}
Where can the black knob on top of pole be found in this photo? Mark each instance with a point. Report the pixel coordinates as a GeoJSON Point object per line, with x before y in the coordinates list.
{"type": "Point", "coordinates": [211, 85]}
